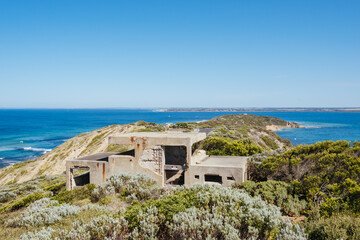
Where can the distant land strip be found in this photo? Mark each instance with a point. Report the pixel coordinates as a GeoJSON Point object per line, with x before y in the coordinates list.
{"type": "Point", "coordinates": [352, 109]}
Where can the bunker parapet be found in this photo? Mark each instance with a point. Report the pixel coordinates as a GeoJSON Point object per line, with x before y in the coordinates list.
{"type": "Point", "coordinates": [167, 157]}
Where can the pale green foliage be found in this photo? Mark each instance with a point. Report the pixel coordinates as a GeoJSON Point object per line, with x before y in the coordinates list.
{"type": "Point", "coordinates": [102, 227]}
{"type": "Point", "coordinates": [197, 223]}
{"type": "Point", "coordinates": [43, 212]}
{"type": "Point", "coordinates": [290, 231]}
{"type": "Point", "coordinates": [138, 187]}
{"type": "Point", "coordinates": [207, 212]}
{"type": "Point", "coordinates": [277, 193]}
{"type": "Point", "coordinates": [7, 196]}
{"type": "Point", "coordinates": [149, 224]}
{"type": "Point", "coordinates": [43, 234]}
{"type": "Point", "coordinates": [195, 212]}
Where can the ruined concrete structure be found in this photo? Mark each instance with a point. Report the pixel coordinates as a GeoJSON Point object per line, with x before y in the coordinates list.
{"type": "Point", "coordinates": [167, 157]}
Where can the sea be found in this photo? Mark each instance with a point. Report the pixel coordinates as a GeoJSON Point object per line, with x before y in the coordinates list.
{"type": "Point", "coordinates": [26, 134]}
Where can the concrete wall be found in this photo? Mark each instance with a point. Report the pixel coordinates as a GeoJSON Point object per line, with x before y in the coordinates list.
{"type": "Point", "coordinates": [237, 174]}
{"type": "Point", "coordinates": [98, 170]}
{"type": "Point", "coordinates": [127, 164]}
{"type": "Point", "coordinates": [153, 159]}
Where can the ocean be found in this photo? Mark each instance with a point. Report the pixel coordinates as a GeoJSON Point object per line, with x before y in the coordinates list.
{"type": "Point", "coordinates": [28, 134]}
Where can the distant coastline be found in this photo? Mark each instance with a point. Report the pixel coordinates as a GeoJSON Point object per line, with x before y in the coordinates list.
{"type": "Point", "coordinates": [350, 109]}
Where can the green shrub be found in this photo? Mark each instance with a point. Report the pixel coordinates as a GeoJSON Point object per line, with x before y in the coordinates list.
{"type": "Point", "coordinates": [150, 127]}
{"type": "Point", "coordinates": [166, 206]}
{"type": "Point", "coordinates": [277, 193]}
{"type": "Point", "coordinates": [55, 188]}
{"type": "Point", "coordinates": [139, 187]}
{"type": "Point", "coordinates": [183, 125]}
{"type": "Point", "coordinates": [335, 227]}
{"type": "Point", "coordinates": [207, 212]}
{"type": "Point", "coordinates": [98, 228]}
{"type": "Point", "coordinates": [23, 202]}
{"type": "Point", "coordinates": [269, 142]}
{"type": "Point", "coordinates": [76, 194]}
{"type": "Point", "coordinates": [325, 173]}
{"type": "Point", "coordinates": [224, 147]}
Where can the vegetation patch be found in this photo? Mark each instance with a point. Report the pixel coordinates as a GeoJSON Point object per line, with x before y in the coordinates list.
{"type": "Point", "coordinates": [327, 174]}
{"type": "Point", "coordinates": [226, 147]}
{"type": "Point", "coordinates": [269, 142]}
{"type": "Point", "coordinates": [336, 227]}
{"type": "Point", "coordinates": [74, 195]}
{"type": "Point", "coordinates": [237, 121]}
{"type": "Point", "coordinates": [278, 193]}
{"type": "Point", "coordinates": [149, 127]}
{"type": "Point", "coordinates": [23, 202]}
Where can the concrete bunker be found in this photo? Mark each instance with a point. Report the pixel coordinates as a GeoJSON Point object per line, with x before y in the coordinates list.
{"type": "Point", "coordinates": [167, 157]}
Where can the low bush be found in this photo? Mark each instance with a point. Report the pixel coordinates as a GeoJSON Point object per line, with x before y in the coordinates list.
{"type": "Point", "coordinates": [43, 212]}
{"type": "Point", "coordinates": [335, 227]}
{"type": "Point", "coordinates": [207, 212]}
{"type": "Point", "coordinates": [76, 194]}
{"type": "Point", "coordinates": [56, 188]}
{"type": "Point", "coordinates": [326, 174]}
{"type": "Point", "coordinates": [269, 142]}
{"type": "Point", "coordinates": [98, 228]}
{"type": "Point", "coordinates": [138, 187]}
{"type": "Point", "coordinates": [197, 212]}
{"type": "Point", "coordinates": [43, 234]}
{"type": "Point", "coordinates": [277, 193]}
{"type": "Point", "coordinates": [23, 202]}
{"type": "Point", "coordinates": [225, 147]}
{"type": "Point", "coordinates": [7, 196]}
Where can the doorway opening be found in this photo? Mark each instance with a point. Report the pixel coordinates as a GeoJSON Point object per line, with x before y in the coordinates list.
{"type": "Point", "coordinates": [80, 175]}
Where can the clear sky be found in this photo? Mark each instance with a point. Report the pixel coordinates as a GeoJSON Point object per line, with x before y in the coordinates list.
{"type": "Point", "coordinates": [179, 53]}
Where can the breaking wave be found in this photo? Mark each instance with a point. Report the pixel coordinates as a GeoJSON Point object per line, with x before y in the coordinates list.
{"type": "Point", "coordinates": [42, 150]}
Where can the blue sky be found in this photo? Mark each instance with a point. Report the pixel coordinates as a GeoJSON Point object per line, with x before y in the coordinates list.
{"type": "Point", "coordinates": [179, 53]}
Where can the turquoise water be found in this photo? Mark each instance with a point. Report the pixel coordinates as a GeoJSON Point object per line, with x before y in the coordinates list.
{"type": "Point", "coordinates": [28, 134]}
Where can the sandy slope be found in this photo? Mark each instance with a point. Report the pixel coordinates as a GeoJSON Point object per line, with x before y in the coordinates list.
{"type": "Point", "coordinates": [53, 163]}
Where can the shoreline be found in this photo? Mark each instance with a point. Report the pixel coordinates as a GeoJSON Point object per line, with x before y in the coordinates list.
{"type": "Point", "coordinates": [325, 110]}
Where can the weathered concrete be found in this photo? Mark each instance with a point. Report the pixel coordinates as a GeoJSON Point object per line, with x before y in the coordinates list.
{"type": "Point", "coordinates": [229, 170]}
{"type": "Point", "coordinates": [166, 157]}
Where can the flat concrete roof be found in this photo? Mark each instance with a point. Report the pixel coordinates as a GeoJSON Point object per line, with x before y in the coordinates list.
{"type": "Point", "coordinates": [223, 161]}
{"type": "Point", "coordinates": [104, 156]}
{"type": "Point", "coordinates": [166, 137]}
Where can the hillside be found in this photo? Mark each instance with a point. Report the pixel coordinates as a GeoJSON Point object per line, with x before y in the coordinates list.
{"type": "Point", "coordinates": [234, 127]}
{"type": "Point", "coordinates": [53, 163]}
{"type": "Point", "coordinates": [305, 192]}
{"type": "Point", "coordinates": [257, 129]}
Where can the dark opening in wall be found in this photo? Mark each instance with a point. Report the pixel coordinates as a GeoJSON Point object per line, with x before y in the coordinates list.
{"type": "Point", "coordinates": [197, 177]}
{"type": "Point", "coordinates": [174, 177]}
{"type": "Point", "coordinates": [231, 178]}
{"type": "Point", "coordinates": [129, 153]}
{"type": "Point", "coordinates": [213, 178]}
{"type": "Point", "coordinates": [175, 155]}
{"type": "Point", "coordinates": [81, 175]}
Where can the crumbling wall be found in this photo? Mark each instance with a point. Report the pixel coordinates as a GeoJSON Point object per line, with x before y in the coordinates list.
{"type": "Point", "coordinates": [152, 158]}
